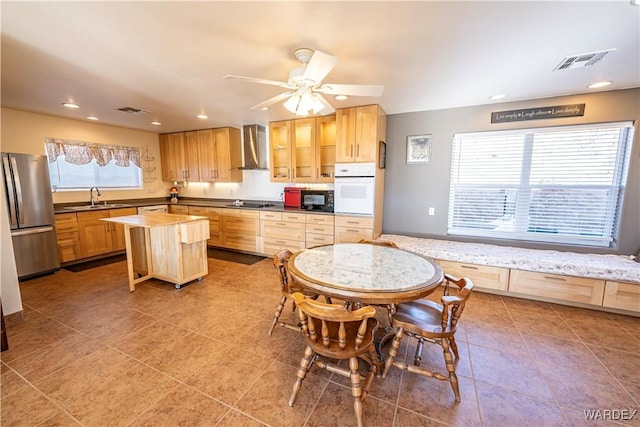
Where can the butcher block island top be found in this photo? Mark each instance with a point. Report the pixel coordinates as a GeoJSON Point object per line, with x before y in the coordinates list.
{"type": "Point", "coordinates": [165, 246]}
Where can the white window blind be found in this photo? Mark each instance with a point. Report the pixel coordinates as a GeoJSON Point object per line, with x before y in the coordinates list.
{"type": "Point", "coordinates": [561, 185]}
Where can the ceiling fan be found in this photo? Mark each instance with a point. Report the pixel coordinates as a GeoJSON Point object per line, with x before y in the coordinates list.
{"type": "Point", "coordinates": [305, 87]}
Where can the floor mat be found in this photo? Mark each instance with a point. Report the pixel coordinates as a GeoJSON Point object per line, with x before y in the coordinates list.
{"type": "Point", "coordinates": [240, 258]}
{"type": "Point", "coordinates": [95, 263]}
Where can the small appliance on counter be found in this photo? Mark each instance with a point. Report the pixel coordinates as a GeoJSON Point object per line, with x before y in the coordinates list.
{"type": "Point", "coordinates": [317, 200]}
{"type": "Point", "coordinates": [292, 197]}
{"type": "Point", "coordinates": [173, 194]}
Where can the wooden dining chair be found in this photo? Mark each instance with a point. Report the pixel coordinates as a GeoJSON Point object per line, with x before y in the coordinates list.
{"type": "Point", "coordinates": [432, 322]}
{"type": "Point", "coordinates": [287, 287]}
{"type": "Point", "coordinates": [333, 332]}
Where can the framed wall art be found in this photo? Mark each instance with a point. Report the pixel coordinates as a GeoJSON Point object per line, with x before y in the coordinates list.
{"type": "Point", "coordinates": [418, 149]}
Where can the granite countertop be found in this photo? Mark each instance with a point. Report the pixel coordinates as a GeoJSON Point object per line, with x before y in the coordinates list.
{"type": "Point", "coordinates": [185, 201]}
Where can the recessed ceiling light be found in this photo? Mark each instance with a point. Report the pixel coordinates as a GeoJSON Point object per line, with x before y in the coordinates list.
{"type": "Point", "coordinates": [340, 97]}
{"type": "Point", "coordinates": [70, 105]}
{"type": "Point", "coordinates": [203, 116]}
{"type": "Point", "coordinates": [498, 96]}
{"type": "Point", "coordinates": [599, 84]}
{"type": "Point", "coordinates": [156, 123]}
{"type": "Point", "coordinates": [93, 118]}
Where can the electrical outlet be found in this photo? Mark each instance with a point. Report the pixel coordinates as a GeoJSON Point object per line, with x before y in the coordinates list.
{"type": "Point", "coordinates": [432, 211]}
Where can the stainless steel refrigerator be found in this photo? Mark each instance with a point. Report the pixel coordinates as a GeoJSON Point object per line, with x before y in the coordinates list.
{"type": "Point", "coordinates": [30, 207]}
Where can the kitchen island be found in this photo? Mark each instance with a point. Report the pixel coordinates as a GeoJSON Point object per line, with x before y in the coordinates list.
{"type": "Point", "coordinates": [165, 246]}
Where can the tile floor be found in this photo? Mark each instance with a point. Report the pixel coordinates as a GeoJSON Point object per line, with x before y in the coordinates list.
{"type": "Point", "coordinates": [91, 353]}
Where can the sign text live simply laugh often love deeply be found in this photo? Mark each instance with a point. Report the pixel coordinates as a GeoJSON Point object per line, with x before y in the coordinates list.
{"type": "Point", "coordinates": [538, 113]}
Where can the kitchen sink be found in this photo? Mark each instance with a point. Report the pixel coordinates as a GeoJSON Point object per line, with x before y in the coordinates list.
{"type": "Point", "coordinates": [97, 206]}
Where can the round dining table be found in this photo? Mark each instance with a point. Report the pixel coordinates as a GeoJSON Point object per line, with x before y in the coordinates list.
{"type": "Point", "coordinates": [365, 273]}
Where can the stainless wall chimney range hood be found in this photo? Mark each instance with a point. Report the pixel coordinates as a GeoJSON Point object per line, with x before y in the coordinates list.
{"type": "Point", "coordinates": [255, 147]}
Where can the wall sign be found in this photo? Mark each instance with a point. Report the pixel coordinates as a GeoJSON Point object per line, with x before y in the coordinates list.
{"type": "Point", "coordinates": [571, 110]}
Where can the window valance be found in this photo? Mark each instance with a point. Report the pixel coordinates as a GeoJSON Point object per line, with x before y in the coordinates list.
{"type": "Point", "coordinates": [81, 153]}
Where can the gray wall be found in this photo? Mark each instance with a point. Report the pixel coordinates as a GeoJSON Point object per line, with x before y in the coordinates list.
{"type": "Point", "coordinates": [410, 190]}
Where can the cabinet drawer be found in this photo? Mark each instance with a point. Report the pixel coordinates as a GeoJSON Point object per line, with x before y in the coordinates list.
{"type": "Point", "coordinates": [320, 229]}
{"type": "Point", "coordinates": [352, 234]}
{"type": "Point", "coordinates": [244, 213]}
{"type": "Point", "coordinates": [273, 246]}
{"type": "Point", "coordinates": [194, 231]}
{"type": "Point", "coordinates": [215, 238]}
{"type": "Point", "coordinates": [314, 239]}
{"type": "Point", "coordinates": [211, 213]}
{"type": "Point", "coordinates": [214, 226]}
{"type": "Point", "coordinates": [240, 225]}
{"type": "Point", "coordinates": [66, 226]}
{"type": "Point", "coordinates": [66, 218]}
{"type": "Point", "coordinates": [90, 216]}
{"type": "Point", "coordinates": [293, 217]}
{"type": "Point", "coordinates": [482, 276]}
{"type": "Point", "coordinates": [283, 230]}
{"type": "Point", "coordinates": [240, 242]}
{"type": "Point", "coordinates": [625, 296]}
{"type": "Point", "coordinates": [568, 288]}
{"type": "Point", "coordinates": [351, 221]}
{"type": "Point", "coordinates": [122, 212]}
{"type": "Point", "coordinates": [68, 246]}
{"type": "Point", "coordinates": [319, 219]}
{"type": "Point", "coordinates": [182, 210]}
{"type": "Point", "coordinates": [274, 216]}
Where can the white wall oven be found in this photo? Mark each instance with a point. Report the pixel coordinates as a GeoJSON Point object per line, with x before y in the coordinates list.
{"type": "Point", "coordinates": [354, 188]}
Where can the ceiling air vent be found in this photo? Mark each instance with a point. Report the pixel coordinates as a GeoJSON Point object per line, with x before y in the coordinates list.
{"type": "Point", "coordinates": [133, 110]}
{"type": "Point", "coordinates": [581, 60]}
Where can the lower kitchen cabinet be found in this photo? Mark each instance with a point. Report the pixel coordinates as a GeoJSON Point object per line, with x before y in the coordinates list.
{"type": "Point", "coordinates": [482, 276]}
{"type": "Point", "coordinates": [319, 230]}
{"type": "Point", "coordinates": [240, 229]}
{"type": "Point", "coordinates": [625, 296]}
{"type": "Point", "coordinates": [179, 209]}
{"type": "Point", "coordinates": [95, 235]}
{"type": "Point", "coordinates": [282, 230]}
{"type": "Point", "coordinates": [214, 215]}
{"type": "Point", "coordinates": [567, 288]}
{"type": "Point", "coordinates": [117, 230]}
{"type": "Point", "coordinates": [352, 228]}
{"type": "Point", "coordinates": [68, 237]}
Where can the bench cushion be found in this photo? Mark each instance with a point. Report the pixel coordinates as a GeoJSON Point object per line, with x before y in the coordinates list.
{"type": "Point", "coordinates": [606, 267]}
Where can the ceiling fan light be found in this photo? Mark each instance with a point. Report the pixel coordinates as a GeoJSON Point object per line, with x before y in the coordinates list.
{"type": "Point", "coordinates": [292, 103]}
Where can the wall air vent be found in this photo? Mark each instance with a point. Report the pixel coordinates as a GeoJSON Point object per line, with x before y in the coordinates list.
{"type": "Point", "coordinates": [581, 60]}
{"type": "Point", "coordinates": [133, 110]}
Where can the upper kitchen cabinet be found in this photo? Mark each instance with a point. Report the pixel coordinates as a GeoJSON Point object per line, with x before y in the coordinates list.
{"type": "Point", "coordinates": [303, 150]}
{"type": "Point", "coordinates": [220, 155]}
{"type": "Point", "coordinates": [173, 157]}
{"type": "Point", "coordinates": [280, 138]}
{"type": "Point", "coordinates": [359, 130]}
{"type": "Point", "coordinates": [204, 155]}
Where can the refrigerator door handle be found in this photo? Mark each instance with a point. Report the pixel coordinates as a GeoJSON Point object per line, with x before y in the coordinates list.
{"type": "Point", "coordinates": [32, 231]}
{"type": "Point", "coordinates": [16, 179]}
{"type": "Point", "coordinates": [10, 193]}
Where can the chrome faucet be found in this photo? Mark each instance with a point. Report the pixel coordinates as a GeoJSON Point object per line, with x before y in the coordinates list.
{"type": "Point", "coordinates": [91, 199]}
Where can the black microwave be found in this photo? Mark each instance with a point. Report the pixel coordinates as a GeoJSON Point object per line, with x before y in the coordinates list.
{"type": "Point", "coordinates": [317, 200]}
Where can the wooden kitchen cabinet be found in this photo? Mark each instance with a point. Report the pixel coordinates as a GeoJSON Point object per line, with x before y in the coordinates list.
{"type": "Point", "coordinates": [319, 230]}
{"type": "Point", "coordinates": [625, 296]}
{"type": "Point", "coordinates": [95, 235]}
{"type": "Point", "coordinates": [214, 215]}
{"type": "Point", "coordinates": [213, 155]}
{"type": "Point", "coordinates": [179, 209]}
{"type": "Point", "coordinates": [567, 288]}
{"type": "Point", "coordinates": [282, 230]}
{"type": "Point", "coordinates": [482, 276]}
{"type": "Point", "coordinates": [359, 132]}
{"type": "Point", "coordinates": [220, 155]}
{"type": "Point", "coordinates": [240, 229]}
{"type": "Point", "coordinates": [303, 150]}
{"type": "Point", "coordinates": [352, 228]}
{"type": "Point", "coordinates": [173, 157]}
{"type": "Point", "coordinates": [68, 237]}
{"type": "Point", "coordinates": [280, 138]}
{"type": "Point", "coordinates": [117, 230]}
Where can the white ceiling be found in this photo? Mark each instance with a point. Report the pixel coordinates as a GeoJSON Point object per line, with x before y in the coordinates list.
{"type": "Point", "coordinates": [169, 57]}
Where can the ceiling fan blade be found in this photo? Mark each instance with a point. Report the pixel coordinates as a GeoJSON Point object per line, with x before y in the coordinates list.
{"type": "Point", "coordinates": [352, 90]}
{"type": "Point", "coordinates": [269, 102]}
{"type": "Point", "coordinates": [328, 108]}
{"type": "Point", "coordinates": [319, 66]}
{"type": "Point", "coordinates": [261, 81]}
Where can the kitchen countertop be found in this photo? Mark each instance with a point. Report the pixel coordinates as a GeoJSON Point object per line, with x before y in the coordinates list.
{"type": "Point", "coordinates": [185, 201]}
